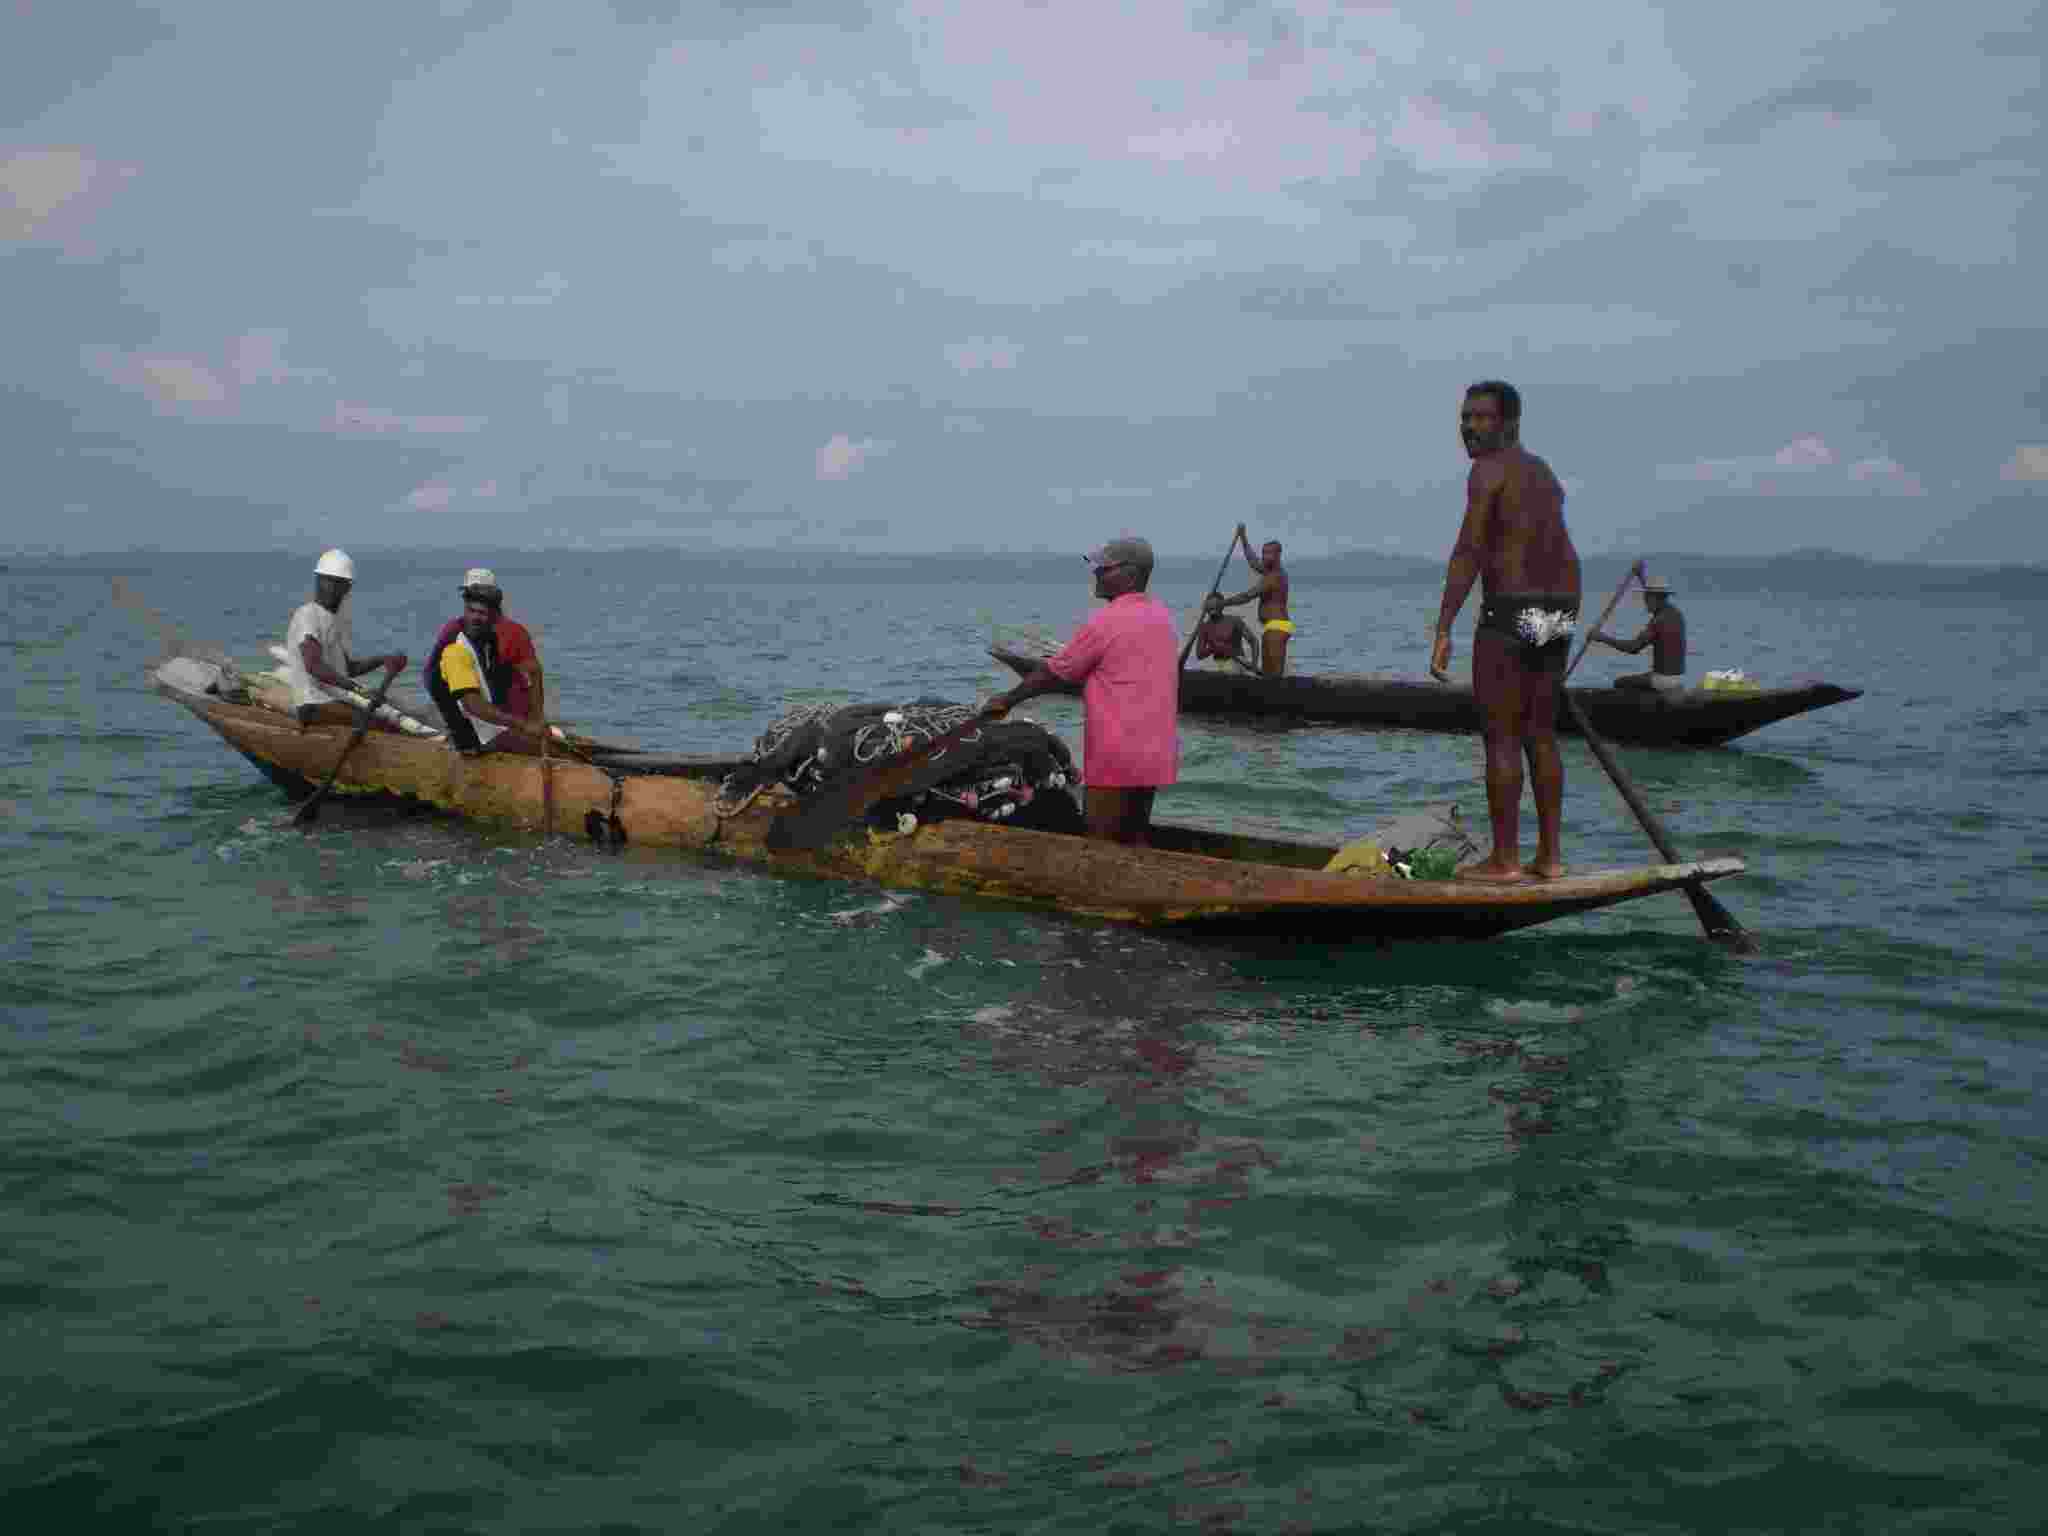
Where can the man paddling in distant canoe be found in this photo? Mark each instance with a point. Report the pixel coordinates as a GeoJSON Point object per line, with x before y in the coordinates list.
{"type": "Point", "coordinates": [1664, 635]}
{"type": "Point", "coordinates": [1276, 625]}
{"type": "Point", "coordinates": [1127, 660]}
{"type": "Point", "coordinates": [1224, 638]}
{"type": "Point", "coordinates": [484, 674]}
{"type": "Point", "coordinates": [1514, 542]}
{"type": "Point", "coordinates": [318, 661]}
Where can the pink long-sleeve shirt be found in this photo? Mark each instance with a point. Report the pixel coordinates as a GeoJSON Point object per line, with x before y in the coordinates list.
{"type": "Point", "coordinates": [1127, 660]}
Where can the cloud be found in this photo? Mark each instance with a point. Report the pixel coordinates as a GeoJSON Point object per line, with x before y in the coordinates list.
{"type": "Point", "coordinates": [2029, 462]}
{"type": "Point", "coordinates": [1807, 462]}
{"type": "Point", "coordinates": [842, 457]}
{"type": "Point", "coordinates": [1886, 474]}
{"type": "Point", "coordinates": [257, 357]}
{"type": "Point", "coordinates": [1519, 203]}
{"type": "Point", "coordinates": [374, 418]}
{"type": "Point", "coordinates": [179, 385]}
{"type": "Point", "coordinates": [766, 253]}
{"type": "Point", "coordinates": [45, 194]}
{"type": "Point", "coordinates": [431, 497]}
{"type": "Point", "coordinates": [982, 352]}
{"type": "Point", "coordinates": [1804, 453]}
{"type": "Point", "coordinates": [187, 385]}
{"type": "Point", "coordinates": [1827, 98]}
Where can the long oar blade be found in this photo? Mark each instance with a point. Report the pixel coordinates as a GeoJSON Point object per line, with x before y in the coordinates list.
{"type": "Point", "coordinates": [306, 813]}
{"type": "Point", "coordinates": [818, 820]}
{"type": "Point", "coordinates": [1716, 921]}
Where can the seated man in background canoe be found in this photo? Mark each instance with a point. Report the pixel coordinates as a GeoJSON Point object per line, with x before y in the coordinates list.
{"type": "Point", "coordinates": [1275, 625]}
{"type": "Point", "coordinates": [1664, 634]}
{"type": "Point", "coordinates": [1127, 660]}
{"type": "Point", "coordinates": [484, 675]}
{"type": "Point", "coordinates": [1224, 638]}
{"type": "Point", "coordinates": [1514, 542]}
{"type": "Point", "coordinates": [318, 659]}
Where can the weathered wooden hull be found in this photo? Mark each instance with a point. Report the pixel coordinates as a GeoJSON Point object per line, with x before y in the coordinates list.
{"type": "Point", "coordinates": [1190, 879]}
{"type": "Point", "coordinates": [1693, 718]}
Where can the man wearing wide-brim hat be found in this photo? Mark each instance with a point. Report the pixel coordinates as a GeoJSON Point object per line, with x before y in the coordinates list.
{"type": "Point", "coordinates": [1664, 634]}
{"type": "Point", "coordinates": [1126, 658]}
{"type": "Point", "coordinates": [483, 672]}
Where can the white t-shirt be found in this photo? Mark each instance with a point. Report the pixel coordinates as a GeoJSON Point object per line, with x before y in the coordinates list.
{"type": "Point", "coordinates": [332, 631]}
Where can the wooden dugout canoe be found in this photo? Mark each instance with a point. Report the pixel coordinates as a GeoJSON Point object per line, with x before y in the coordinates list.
{"type": "Point", "coordinates": [1191, 879]}
{"type": "Point", "coordinates": [1695, 717]}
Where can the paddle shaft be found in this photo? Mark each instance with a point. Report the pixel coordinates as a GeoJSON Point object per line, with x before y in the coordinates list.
{"type": "Point", "coordinates": [397, 709]}
{"type": "Point", "coordinates": [1214, 586]}
{"type": "Point", "coordinates": [305, 813]}
{"type": "Point", "coordinates": [1716, 920]}
{"type": "Point", "coordinates": [1633, 573]}
{"type": "Point", "coordinates": [547, 783]}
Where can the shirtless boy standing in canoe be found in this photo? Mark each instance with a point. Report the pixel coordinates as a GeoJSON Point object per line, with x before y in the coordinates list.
{"type": "Point", "coordinates": [1514, 543]}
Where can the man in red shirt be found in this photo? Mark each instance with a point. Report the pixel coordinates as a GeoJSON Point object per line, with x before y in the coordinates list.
{"type": "Point", "coordinates": [1127, 659]}
{"type": "Point", "coordinates": [501, 669]}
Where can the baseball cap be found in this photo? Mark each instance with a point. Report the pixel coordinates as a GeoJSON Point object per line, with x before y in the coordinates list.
{"type": "Point", "coordinates": [479, 576]}
{"type": "Point", "coordinates": [1124, 551]}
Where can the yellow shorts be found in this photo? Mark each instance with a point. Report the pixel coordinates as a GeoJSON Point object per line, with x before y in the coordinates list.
{"type": "Point", "coordinates": [1277, 627]}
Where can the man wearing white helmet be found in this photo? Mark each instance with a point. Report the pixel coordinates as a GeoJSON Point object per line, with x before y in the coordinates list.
{"type": "Point", "coordinates": [319, 661]}
{"type": "Point", "coordinates": [483, 673]}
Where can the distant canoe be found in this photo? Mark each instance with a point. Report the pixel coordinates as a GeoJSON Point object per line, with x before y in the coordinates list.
{"type": "Point", "coordinates": [1696, 717]}
{"type": "Point", "coordinates": [1191, 880]}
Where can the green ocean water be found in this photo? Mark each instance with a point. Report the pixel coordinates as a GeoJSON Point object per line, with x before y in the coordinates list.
{"type": "Point", "coordinates": [410, 1176]}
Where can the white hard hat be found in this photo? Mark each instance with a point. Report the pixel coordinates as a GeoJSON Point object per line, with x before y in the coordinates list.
{"type": "Point", "coordinates": [479, 576]}
{"type": "Point", "coordinates": [336, 563]}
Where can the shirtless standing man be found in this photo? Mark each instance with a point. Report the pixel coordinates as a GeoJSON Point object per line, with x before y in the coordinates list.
{"type": "Point", "coordinates": [1514, 543]}
{"type": "Point", "coordinates": [1276, 627]}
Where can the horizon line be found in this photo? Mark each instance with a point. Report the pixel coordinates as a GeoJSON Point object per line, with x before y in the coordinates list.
{"type": "Point", "coordinates": [786, 553]}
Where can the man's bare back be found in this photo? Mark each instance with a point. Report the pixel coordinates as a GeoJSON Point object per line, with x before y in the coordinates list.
{"type": "Point", "coordinates": [1525, 546]}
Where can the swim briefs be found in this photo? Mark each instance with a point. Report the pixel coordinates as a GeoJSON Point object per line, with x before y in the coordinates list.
{"type": "Point", "coordinates": [1541, 622]}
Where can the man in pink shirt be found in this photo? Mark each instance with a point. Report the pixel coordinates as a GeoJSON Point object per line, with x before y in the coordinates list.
{"type": "Point", "coordinates": [1127, 660]}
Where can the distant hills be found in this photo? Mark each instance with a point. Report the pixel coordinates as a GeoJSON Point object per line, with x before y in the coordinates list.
{"type": "Point", "coordinates": [1813, 573]}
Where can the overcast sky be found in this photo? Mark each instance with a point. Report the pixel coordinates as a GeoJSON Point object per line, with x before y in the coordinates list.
{"type": "Point", "coordinates": [1015, 275]}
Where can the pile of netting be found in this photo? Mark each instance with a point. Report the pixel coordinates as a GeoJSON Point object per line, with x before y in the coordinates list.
{"type": "Point", "coordinates": [1012, 771]}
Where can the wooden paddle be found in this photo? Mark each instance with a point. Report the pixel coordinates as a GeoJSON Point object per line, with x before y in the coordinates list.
{"type": "Point", "coordinates": [307, 812]}
{"type": "Point", "coordinates": [1214, 587]}
{"type": "Point", "coordinates": [1633, 573]}
{"type": "Point", "coordinates": [1716, 921]}
{"type": "Point", "coordinates": [819, 819]}
{"type": "Point", "coordinates": [547, 783]}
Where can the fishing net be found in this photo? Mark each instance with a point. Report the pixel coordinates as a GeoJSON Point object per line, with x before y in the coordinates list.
{"type": "Point", "coordinates": [1013, 771]}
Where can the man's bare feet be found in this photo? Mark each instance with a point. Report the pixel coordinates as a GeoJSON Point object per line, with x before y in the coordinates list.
{"type": "Point", "coordinates": [1492, 872]}
{"type": "Point", "coordinates": [1546, 869]}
